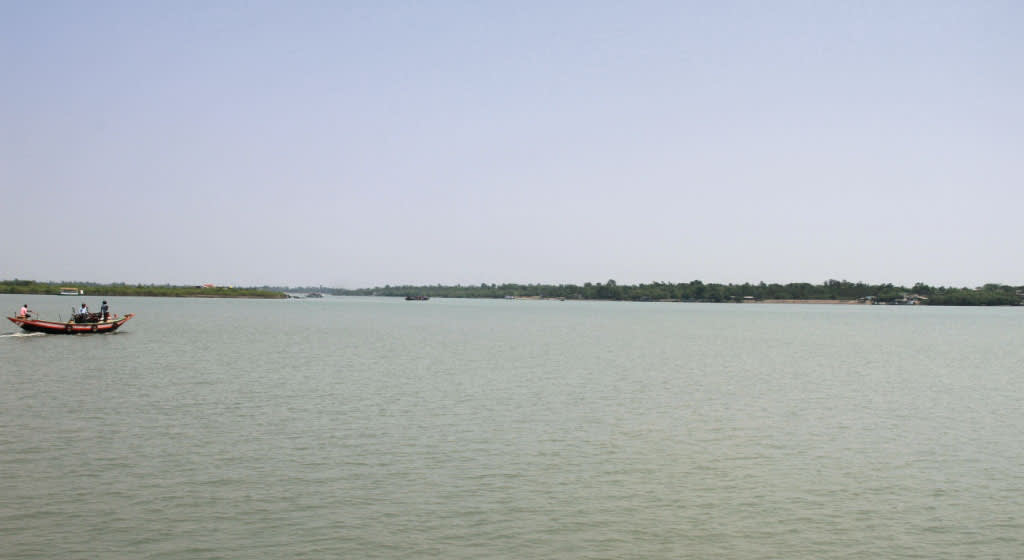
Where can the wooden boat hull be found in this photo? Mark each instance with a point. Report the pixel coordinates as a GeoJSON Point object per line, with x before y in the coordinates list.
{"type": "Point", "coordinates": [55, 327]}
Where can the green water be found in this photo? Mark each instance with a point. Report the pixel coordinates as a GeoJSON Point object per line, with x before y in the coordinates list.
{"type": "Point", "coordinates": [380, 428]}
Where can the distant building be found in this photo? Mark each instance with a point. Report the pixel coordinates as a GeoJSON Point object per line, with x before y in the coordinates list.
{"type": "Point", "coordinates": [911, 299]}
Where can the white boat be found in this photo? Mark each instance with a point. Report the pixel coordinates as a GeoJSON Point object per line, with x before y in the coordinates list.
{"type": "Point", "coordinates": [71, 292]}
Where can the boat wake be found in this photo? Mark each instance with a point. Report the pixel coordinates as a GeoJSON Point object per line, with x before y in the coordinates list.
{"type": "Point", "coordinates": [21, 334]}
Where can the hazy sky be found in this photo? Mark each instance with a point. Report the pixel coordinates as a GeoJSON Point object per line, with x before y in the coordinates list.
{"type": "Point", "coordinates": [354, 144]}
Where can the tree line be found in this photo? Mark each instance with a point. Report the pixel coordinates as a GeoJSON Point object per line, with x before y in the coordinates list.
{"type": "Point", "coordinates": [93, 289]}
{"type": "Point", "coordinates": [698, 291]}
{"type": "Point", "coordinates": [695, 291]}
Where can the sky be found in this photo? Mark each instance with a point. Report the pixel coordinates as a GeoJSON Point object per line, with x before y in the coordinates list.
{"type": "Point", "coordinates": [357, 144]}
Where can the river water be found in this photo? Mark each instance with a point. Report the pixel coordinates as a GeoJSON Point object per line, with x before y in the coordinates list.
{"type": "Point", "coordinates": [459, 429]}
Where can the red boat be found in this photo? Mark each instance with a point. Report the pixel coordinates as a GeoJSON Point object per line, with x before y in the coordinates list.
{"type": "Point", "coordinates": [81, 324]}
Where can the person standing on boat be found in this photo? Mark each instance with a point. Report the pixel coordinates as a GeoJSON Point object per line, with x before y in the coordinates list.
{"type": "Point", "coordinates": [104, 311]}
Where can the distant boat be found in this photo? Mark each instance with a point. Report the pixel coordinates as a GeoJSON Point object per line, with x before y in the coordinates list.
{"type": "Point", "coordinates": [314, 295]}
{"type": "Point", "coordinates": [71, 292]}
{"type": "Point", "coordinates": [416, 298]}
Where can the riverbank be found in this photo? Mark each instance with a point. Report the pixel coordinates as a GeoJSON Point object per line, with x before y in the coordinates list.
{"type": "Point", "coordinates": [831, 292]}
{"type": "Point", "coordinates": [815, 301]}
{"type": "Point", "coordinates": [29, 287]}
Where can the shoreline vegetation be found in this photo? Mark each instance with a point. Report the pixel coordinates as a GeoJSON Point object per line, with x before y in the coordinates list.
{"type": "Point", "coordinates": [828, 292]}
{"type": "Point", "coordinates": [93, 289]}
